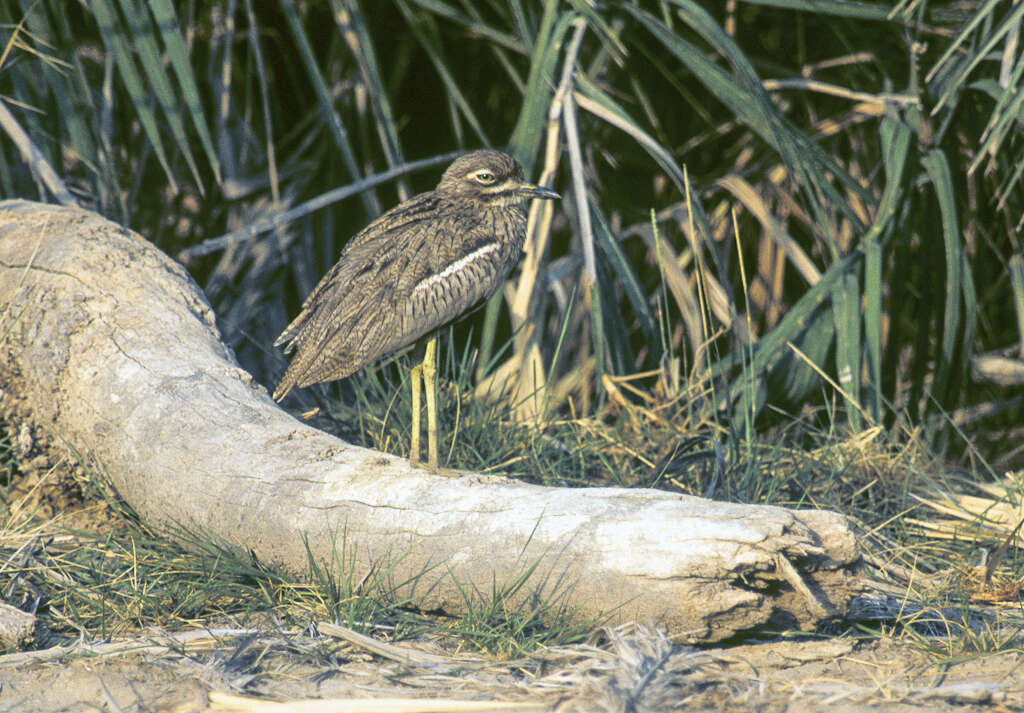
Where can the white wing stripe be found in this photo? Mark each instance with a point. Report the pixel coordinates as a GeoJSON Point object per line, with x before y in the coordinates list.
{"type": "Point", "coordinates": [455, 267]}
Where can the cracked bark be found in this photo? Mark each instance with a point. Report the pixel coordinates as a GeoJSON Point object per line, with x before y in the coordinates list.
{"type": "Point", "coordinates": [111, 346]}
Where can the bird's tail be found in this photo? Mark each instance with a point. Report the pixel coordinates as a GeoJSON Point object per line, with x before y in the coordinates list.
{"type": "Point", "coordinates": [289, 339]}
{"type": "Point", "coordinates": [287, 383]}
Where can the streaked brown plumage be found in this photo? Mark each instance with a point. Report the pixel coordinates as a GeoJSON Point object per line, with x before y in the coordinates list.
{"type": "Point", "coordinates": [409, 272]}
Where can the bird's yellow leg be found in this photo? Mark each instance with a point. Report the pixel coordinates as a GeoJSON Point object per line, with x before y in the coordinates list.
{"type": "Point", "coordinates": [430, 385]}
{"type": "Point", "coordinates": [414, 447]}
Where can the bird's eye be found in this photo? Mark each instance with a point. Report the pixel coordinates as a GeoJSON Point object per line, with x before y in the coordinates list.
{"type": "Point", "coordinates": [485, 178]}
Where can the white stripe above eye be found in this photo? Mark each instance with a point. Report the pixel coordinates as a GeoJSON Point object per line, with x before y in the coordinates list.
{"type": "Point", "coordinates": [456, 266]}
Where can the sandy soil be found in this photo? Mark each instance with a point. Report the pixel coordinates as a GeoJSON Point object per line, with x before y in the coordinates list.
{"type": "Point", "coordinates": [639, 670]}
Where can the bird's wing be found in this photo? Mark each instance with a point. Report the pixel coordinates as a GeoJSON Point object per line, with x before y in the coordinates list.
{"type": "Point", "coordinates": [413, 270]}
{"type": "Point", "coordinates": [353, 315]}
{"type": "Point", "coordinates": [340, 332]}
{"type": "Point", "coordinates": [369, 243]}
{"type": "Point", "coordinates": [466, 262]}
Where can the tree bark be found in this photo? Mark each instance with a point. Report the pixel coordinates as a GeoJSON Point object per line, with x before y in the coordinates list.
{"type": "Point", "coordinates": [110, 345]}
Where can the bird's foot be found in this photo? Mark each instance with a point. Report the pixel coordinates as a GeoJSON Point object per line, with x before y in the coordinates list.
{"type": "Point", "coordinates": [434, 468]}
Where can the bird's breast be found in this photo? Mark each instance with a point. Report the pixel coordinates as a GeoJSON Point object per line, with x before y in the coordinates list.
{"type": "Point", "coordinates": [467, 268]}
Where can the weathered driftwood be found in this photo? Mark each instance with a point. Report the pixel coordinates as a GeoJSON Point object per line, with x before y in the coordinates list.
{"type": "Point", "coordinates": [17, 627]}
{"type": "Point", "coordinates": [110, 346]}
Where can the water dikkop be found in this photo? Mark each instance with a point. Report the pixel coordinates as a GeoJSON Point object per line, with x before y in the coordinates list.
{"type": "Point", "coordinates": [408, 273]}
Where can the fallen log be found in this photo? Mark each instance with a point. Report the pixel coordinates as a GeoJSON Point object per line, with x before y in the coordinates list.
{"type": "Point", "coordinates": [110, 345]}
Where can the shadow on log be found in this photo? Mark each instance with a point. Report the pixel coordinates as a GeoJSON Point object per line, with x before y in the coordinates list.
{"type": "Point", "coordinates": [110, 345]}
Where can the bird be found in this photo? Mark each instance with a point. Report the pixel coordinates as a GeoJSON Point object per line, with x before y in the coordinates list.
{"type": "Point", "coordinates": [408, 273]}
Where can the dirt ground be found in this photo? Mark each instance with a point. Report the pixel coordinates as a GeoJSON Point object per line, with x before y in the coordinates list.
{"type": "Point", "coordinates": [636, 671]}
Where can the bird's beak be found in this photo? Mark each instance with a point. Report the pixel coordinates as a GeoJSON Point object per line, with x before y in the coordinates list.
{"type": "Point", "coordinates": [534, 191]}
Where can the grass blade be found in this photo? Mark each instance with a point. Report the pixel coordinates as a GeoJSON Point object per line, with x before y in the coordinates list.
{"type": "Point", "coordinates": [950, 354]}
{"type": "Point", "coordinates": [177, 53]}
{"type": "Point", "coordinates": [533, 114]}
{"type": "Point", "coordinates": [846, 313]}
{"type": "Point", "coordinates": [350, 21]}
{"type": "Point", "coordinates": [624, 275]}
{"type": "Point", "coordinates": [427, 35]}
{"type": "Point", "coordinates": [748, 101]}
{"type": "Point", "coordinates": [143, 37]}
{"type": "Point", "coordinates": [115, 42]}
{"type": "Point", "coordinates": [330, 116]}
{"type": "Point", "coordinates": [838, 8]}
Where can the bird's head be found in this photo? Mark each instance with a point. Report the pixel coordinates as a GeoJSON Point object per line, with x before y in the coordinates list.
{"type": "Point", "coordinates": [490, 177]}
